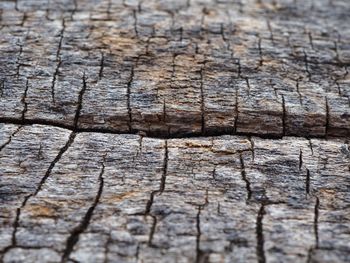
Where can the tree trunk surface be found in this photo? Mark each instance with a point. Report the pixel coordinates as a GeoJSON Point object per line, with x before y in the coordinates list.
{"type": "Point", "coordinates": [174, 131]}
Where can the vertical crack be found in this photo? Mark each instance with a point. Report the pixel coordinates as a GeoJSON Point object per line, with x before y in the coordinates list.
{"type": "Point", "coordinates": [153, 229]}
{"type": "Point", "coordinates": [199, 253]}
{"type": "Point", "coordinates": [106, 252]}
{"type": "Point", "coordinates": [100, 73]}
{"type": "Point", "coordinates": [260, 235]}
{"type": "Point", "coordinates": [270, 30]}
{"type": "Point", "coordinates": [74, 236]}
{"type": "Point", "coordinates": [306, 61]}
{"type": "Point", "coordinates": [159, 191]}
{"type": "Point", "coordinates": [201, 257]}
{"type": "Point", "coordinates": [309, 255]}
{"type": "Point", "coordinates": [338, 87]}
{"type": "Point", "coordinates": [59, 61]}
{"type": "Point", "coordinates": [307, 182]}
{"type": "Point", "coordinates": [165, 167]}
{"type": "Point", "coordinates": [316, 210]}
{"type": "Point", "coordinates": [18, 62]}
{"type": "Point", "coordinates": [213, 173]}
{"type": "Point", "coordinates": [327, 117]}
{"type": "Point", "coordinates": [54, 78]}
{"type": "Point", "coordinates": [337, 58]}
{"type": "Point", "coordinates": [202, 100]}
{"type": "Point", "coordinates": [272, 84]}
{"type": "Point", "coordinates": [16, 6]}
{"type": "Point", "coordinates": [109, 5]}
{"type": "Point", "coordinates": [139, 6]}
{"type": "Point", "coordinates": [80, 103]}
{"type": "Point", "coordinates": [2, 86]}
{"type": "Point", "coordinates": [236, 109]}
{"type": "Point", "coordinates": [53, 163]}
{"type": "Point", "coordinates": [248, 85]}
{"type": "Point", "coordinates": [75, 8]}
{"type": "Point", "coordinates": [261, 61]}
{"type": "Point", "coordinates": [225, 39]}
{"type": "Point", "coordinates": [10, 138]}
{"type": "Point", "coordinates": [298, 91]}
{"type": "Point", "coordinates": [23, 101]}
{"type": "Point", "coordinates": [300, 159]}
{"type": "Point", "coordinates": [41, 183]}
{"type": "Point", "coordinates": [252, 146]}
{"type": "Point", "coordinates": [284, 116]}
{"type": "Point", "coordinates": [244, 177]}
{"type": "Point", "coordinates": [137, 254]}
{"type": "Point", "coordinates": [238, 63]}
{"type": "Point", "coordinates": [310, 40]}
{"type": "Point", "coordinates": [173, 66]}
{"type": "Point", "coordinates": [310, 146]}
{"type": "Point", "coordinates": [128, 95]}
{"type": "Point", "coordinates": [135, 23]}
{"type": "Point", "coordinates": [14, 232]}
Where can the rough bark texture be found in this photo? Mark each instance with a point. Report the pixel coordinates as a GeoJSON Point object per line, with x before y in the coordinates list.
{"type": "Point", "coordinates": [102, 103]}
{"type": "Point", "coordinates": [172, 68]}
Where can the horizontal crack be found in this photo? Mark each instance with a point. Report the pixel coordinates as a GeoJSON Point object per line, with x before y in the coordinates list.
{"type": "Point", "coordinates": [150, 134]}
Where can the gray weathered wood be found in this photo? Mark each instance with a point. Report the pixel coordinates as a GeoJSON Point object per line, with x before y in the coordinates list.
{"type": "Point", "coordinates": [125, 198]}
{"type": "Point", "coordinates": [173, 68]}
{"type": "Point", "coordinates": [162, 131]}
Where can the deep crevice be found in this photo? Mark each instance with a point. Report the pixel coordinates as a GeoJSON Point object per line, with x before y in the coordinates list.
{"type": "Point", "coordinates": [311, 148]}
{"type": "Point", "coordinates": [298, 91]}
{"type": "Point", "coordinates": [260, 235]}
{"type": "Point", "coordinates": [23, 100]}
{"type": "Point", "coordinates": [53, 163]}
{"type": "Point", "coordinates": [252, 146]}
{"type": "Point", "coordinates": [80, 104]}
{"type": "Point", "coordinates": [152, 231]}
{"type": "Point", "coordinates": [134, 14]}
{"type": "Point", "coordinates": [74, 236]}
{"type": "Point", "coordinates": [148, 134]}
{"type": "Point", "coordinates": [10, 138]}
{"type": "Point", "coordinates": [41, 183]}
{"type": "Point", "coordinates": [162, 181]}
{"type": "Point", "coordinates": [100, 73]}
{"type": "Point", "coordinates": [153, 193]}
{"type": "Point", "coordinates": [244, 177]}
{"type": "Point", "coordinates": [202, 100]}
{"type": "Point", "coordinates": [306, 62]}
{"type": "Point", "coordinates": [316, 210]}
{"type": "Point", "coordinates": [327, 117]}
{"type": "Point", "coordinates": [284, 116]}
{"type": "Point", "coordinates": [198, 236]}
{"type": "Point", "coordinates": [59, 61]}
{"type": "Point", "coordinates": [261, 60]}
{"type": "Point", "coordinates": [236, 110]}
{"type": "Point", "coordinates": [128, 94]}
{"type": "Point", "coordinates": [307, 181]}
{"type": "Point", "coordinates": [201, 256]}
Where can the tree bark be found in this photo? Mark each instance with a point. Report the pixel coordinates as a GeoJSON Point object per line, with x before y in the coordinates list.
{"type": "Point", "coordinates": [174, 131]}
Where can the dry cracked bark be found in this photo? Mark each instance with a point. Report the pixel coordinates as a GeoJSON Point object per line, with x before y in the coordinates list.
{"type": "Point", "coordinates": [174, 68]}
{"type": "Point", "coordinates": [127, 198]}
{"type": "Point", "coordinates": [102, 105]}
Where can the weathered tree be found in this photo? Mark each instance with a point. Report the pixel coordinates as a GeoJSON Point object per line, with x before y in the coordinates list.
{"type": "Point", "coordinates": [174, 131]}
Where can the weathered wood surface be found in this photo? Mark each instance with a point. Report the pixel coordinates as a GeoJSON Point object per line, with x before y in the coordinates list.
{"type": "Point", "coordinates": [175, 68]}
{"type": "Point", "coordinates": [93, 94]}
{"type": "Point", "coordinates": [93, 197]}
